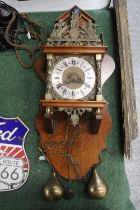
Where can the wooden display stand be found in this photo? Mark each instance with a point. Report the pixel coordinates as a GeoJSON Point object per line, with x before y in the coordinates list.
{"type": "Point", "coordinates": [87, 148]}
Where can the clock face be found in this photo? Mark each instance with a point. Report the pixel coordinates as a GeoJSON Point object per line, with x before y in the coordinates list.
{"type": "Point", "coordinates": [73, 78]}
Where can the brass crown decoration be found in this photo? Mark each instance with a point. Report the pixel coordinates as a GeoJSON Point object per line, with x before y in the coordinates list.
{"type": "Point", "coordinates": [75, 27]}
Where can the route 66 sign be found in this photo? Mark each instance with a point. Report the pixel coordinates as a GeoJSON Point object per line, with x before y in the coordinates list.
{"type": "Point", "coordinates": [14, 164]}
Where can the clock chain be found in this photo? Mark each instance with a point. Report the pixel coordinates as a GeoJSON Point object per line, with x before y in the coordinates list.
{"type": "Point", "coordinates": [69, 142]}
{"type": "Point", "coordinates": [52, 145]}
{"type": "Point", "coordinates": [60, 152]}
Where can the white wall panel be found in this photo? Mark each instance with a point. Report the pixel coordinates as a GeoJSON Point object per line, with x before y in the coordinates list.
{"type": "Point", "coordinates": [56, 5]}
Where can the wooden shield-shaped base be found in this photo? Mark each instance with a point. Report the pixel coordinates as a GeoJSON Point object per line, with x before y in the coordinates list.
{"type": "Point", "coordinates": [75, 161]}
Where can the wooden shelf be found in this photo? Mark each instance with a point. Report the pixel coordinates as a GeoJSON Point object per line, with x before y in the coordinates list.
{"type": "Point", "coordinates": [74, 50]}
{"type": "Point", "coordinates": [73, 103]}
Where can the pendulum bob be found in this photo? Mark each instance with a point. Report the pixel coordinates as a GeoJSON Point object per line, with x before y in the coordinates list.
{"type": "Point", "coordinates": [53, 190]}
{"type": "Point", "coordinates": [65, 191]}
{"type": "Point", "coordinates": [96, 188]}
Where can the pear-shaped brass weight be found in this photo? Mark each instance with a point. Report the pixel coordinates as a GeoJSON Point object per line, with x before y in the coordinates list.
{"type": "Point", "coordinates": [53, 190]}
{"type": "Point", "coordinates": [96, 187]}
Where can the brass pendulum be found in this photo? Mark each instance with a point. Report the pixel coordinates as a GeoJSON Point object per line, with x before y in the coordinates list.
{"type": "Point", "coordinates": [53, 190]}
{"type": "Point", "coordinates": [97, 187]}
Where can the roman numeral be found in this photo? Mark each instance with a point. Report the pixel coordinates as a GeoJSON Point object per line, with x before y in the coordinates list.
{"type": "Point", "coordinates": [64, 91]}
{"type": "Point", "coordinates": [65, 64]}
{"type": "Point", "coordinates": [59, 85]}
{"type": "Point", "coordinates": [81, 64]}
{"type": "Point", "coordinates": [58, 69]}
{"type": "Point", "coordinates": [73, 94]}
{"type": "Point", "coordinates": [82, 92]}
{"type": "Point", "coordinates": [87, 69]}
{"type": "Point", "coordinates": [57, 77]}
{"type": "Point", "coordinates": [87, 85]}
{"type": "Point", "coordinates": [73, 62]}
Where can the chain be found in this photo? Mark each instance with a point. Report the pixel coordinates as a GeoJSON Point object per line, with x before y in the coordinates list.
{"type": "Point", "coordinates": [51, 146]}
{"type": "Point", "coordinates": [31, 51]}
{"type": "Point", "coordinates": [70, 159]}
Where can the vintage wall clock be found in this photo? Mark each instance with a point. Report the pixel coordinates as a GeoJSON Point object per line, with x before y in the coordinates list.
{"type": "Point", "coordinates": [73, 121]}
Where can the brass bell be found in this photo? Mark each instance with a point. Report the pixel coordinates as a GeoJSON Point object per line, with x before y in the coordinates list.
{"type": "Point", "coordinates": [53, 190]}
{"type": "Point", "coordinates": [97, 188]}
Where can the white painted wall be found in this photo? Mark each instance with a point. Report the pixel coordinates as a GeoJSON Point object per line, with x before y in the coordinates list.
{"type": "Point", "coordinates": [55, 5]}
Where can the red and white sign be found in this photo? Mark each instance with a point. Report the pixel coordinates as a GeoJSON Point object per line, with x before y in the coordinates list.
{"type": "Point", "coordinates": [14, 164]}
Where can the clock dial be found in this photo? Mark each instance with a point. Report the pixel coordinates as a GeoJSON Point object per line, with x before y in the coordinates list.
{"type": "Point", "coordinates": [73, 78]}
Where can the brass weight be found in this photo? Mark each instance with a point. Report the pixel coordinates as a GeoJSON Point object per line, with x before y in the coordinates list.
{"type": "Point", "coordinates": [96, 188]}
{"type": "Point", "coordinates": [53, 190]}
